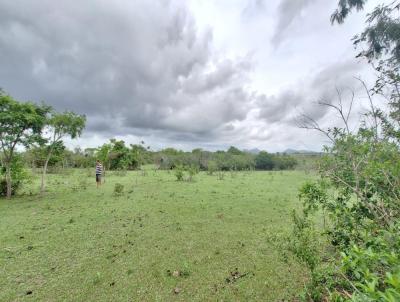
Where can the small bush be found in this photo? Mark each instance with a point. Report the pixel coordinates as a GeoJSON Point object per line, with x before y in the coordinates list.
{"type": "Point", "coordinates": [19, 175]}
{"type": "Point", "coordinates": [221, 175]}
{"type": "Point", "coordinates": [212, 167]}
{"type": "Point", "coordinates": [14, 187]}
{"type": "Point", "coordinates": [179, 173]}
{"type": "Point", "coordinates": [118, 189]}
{"type": "Point", "coordinates": [192, 171]}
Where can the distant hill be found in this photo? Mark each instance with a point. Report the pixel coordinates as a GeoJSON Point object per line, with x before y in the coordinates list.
{"type": "Point", "coordinates": [252, 151]}
{"type": "Point", "coordinates": [293, 151]}
{"type": "Point", "coordinates": [287, 151]}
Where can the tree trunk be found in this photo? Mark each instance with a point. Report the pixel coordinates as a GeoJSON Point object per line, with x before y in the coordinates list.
{"type": "Point", "coordinates": [42, 186]}
{"type": "Point", "coordinates": [8, 180]}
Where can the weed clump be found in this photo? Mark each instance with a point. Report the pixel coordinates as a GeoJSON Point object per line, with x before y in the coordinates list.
{"type": "Point", "coordinates": [192, 171]}
{"type": "Point", "coordinates": [118, 189]}
{"type": "Point", "coordinates": [221, 175]}
{"type": "Point", "coordinates": [179, 173]}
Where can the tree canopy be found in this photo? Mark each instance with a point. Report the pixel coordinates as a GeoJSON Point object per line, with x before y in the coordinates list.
{"type": "Point", "coordinates": [21, 123]}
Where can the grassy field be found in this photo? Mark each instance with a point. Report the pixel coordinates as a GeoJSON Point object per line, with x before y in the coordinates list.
{"type": "Point", "coordinates": [161, 240]}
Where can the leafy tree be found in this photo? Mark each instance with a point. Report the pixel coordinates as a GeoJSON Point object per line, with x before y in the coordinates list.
{"type": "Point", "coordinates": [18, 175]}
{"type": "Point", "coordinates": [20, 124]}
{"type": "Point", "coordinates": [360, 182]}
{"type": "Point", "coordinates": [284, 162]}
{"type": "Point", "coordinates": [344, 9]}
{"type": "Point", "coordinates": [264, 161]}
{"type": "Point", "coordinates": [380, 43]}
{"type": "Point", "coordinates": [36, 156]}
{"type": "Point", "coordinates": [211, 167]}
{"type": "Point", "coordinates": [179, 172]}
{"type": "Point", "coordinates": [142, 153]}
{"type": "Point", "coordinates": [360, 191]}
{"type": "Point", "coordinates": [171, 151]}
{"type": "Point", "coordinates": [103, 154]}
{"type": "Point", "coordinates": [235, 151]}
{"type": "Point", "coordinates": [192, 171]}
{"type": "Point", "coordinates": [59, 126]}
{"type": "Point", "coordinates": [117, 156]}
{"type": "Point", "coordinates": [78, 158]}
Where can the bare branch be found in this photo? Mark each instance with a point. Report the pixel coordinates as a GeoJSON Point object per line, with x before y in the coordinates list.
{"type": "Point", "coordinates": [373, 109]}
{"type": "Point", "coordinates": [307, 122]}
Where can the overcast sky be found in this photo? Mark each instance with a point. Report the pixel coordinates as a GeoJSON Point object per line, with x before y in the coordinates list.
{"type": "Point", "coordinates": [186, 74]}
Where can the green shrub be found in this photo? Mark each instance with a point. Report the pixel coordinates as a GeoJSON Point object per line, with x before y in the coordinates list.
{"type": "Point", "coordinates": [118, 189]}
{"type": "Point", "coordinates": [362, 230]}
{"type": "Point", "coordinates": [19, 175]}
{"type": "Point", "coordinates": [179, 173]}
{"type": "Point", "coordinates": [221, 175]}
{"type": "Point", "coordinates": [192, 171]}
{"type": "Point", "coordinates": [14, 187]}
{"type": "Point", "coordinates": [212, 167]}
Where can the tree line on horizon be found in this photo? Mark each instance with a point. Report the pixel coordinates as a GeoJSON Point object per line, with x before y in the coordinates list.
{"type": "Point", "coordinates": [116, 155]}
{"type": "Point", "coordinates": [39, 130]}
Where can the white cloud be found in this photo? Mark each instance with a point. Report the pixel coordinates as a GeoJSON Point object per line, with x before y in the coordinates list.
{"type": "Point", "coordinates": [199, 73]}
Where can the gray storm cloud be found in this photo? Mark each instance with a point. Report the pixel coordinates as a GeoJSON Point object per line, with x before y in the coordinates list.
{"type": "Point", "coordinates": [141, 63]}
{"type": "Point", "coordinates": [303, 98]}
{"type": "Point", "coordinates": [288, 12]}
{"type": "Point", "coordinates": [173, 75]}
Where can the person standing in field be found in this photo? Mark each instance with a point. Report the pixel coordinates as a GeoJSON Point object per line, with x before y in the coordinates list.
{"type": "Point", "coordinates": [99, 172]}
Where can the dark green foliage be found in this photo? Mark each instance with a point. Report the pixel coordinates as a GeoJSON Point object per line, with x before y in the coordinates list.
{"type": "Point", "coordinates": [359, 189]}
{"type": "Point", "coordinates": [18, 174]}
{"type": "Point", "coordinates": [21, 124]}
{"type": "Point", "coordinates": [284, 162]}
{"type": "Point", "coordinates": [234, 151]}
{"type": "Point", "coordinates": [117, 156]}
{"type": "Point", "coordinates": [36, 156]}
{"type": "Point", "coordinates": [58, 126]}
{"type": "Point", "coordinates": [78, 158]}
{"type": "Point", "coordinates": [304, 243]}
{"type": "Point", "coordinates": [264, 161]}
{"type": "Point", "coordinates": [344, 9]}
{"type": "Point", "coordinates": [121, 156]}
{"type": "Point", "coordinates": [118, 189]}
{"type": "Point", "coordinates": [179, 173]}
{"type": "Point", "coordinates": [192, 171]}
{"type": "Point", "coordinates": [212, 167]}
{"type": "Point", "coordinates": [227, 161]}
{"type": "Point", "coordinates": [268, 161]}
{"type": "Point", "coordinates": [360, 193]}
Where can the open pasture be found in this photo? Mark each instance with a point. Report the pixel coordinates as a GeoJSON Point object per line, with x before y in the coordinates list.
{"type": "Point", "coordinates": [158, 240]}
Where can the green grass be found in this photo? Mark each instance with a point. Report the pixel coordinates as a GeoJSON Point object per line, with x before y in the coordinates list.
{"type": "Point", "coordinates": [78, 244]}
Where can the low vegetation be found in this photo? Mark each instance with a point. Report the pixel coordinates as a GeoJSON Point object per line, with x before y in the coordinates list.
{"type": "Point", "coordinates": [155, 239]}
{"type": "Point", "coordinates": [201, 225]}
{"type": "Point", "coordinates": [348, 233]}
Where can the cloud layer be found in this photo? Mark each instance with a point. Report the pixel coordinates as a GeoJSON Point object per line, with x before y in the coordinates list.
{"type": "Point", "coordinates": [148, 69]}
